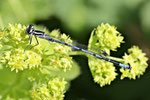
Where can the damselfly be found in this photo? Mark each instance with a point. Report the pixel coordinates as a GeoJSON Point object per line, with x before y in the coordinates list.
{"type": "Point", "coordinates": [37, 33]}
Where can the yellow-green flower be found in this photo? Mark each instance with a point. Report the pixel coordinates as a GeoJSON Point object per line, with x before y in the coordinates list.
{"type": "Point", "coordinates": [33, 59]}
{"type": "Point", "coordinates": [104, 37]}
{"type": "Point", "coordinates": [137, 60]}
{"type": "Point", "coordinates": [51, 90]}
{"type": "Point", "coordinates": [57, 88]}
{"type": "Point", "coordinates": [103, 72]}
{"type": "Point", "coordinates": [63, 62]}
{"type": "Point", "coordinates": [50, 55]}
{"type": "Point", "coordinates": [15, 59]}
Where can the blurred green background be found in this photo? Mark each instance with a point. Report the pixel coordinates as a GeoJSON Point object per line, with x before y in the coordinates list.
{"type": "Point", "coordinates": [78, 18]}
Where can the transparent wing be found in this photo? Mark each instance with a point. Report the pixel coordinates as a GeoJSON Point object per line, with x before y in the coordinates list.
{"type": "Point", "coordinates": [94, 50]}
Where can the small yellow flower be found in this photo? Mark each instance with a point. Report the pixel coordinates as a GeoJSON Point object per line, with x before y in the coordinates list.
{"type": "Point", "coordinates": [34, 59]}
{"type": "Point", "coordinates": [66, 38]}
{"type": "Point", "coordinates": [35, 56]}
{"type": "Point", "coordinates": [66, 62]}
{"type": "Point", "coordinates": [14, 60]}
{"type": "Point", "coordinates": [103, 72]}
{"type": "Point", "coordinates": [57, 87]}
{"type": "Point", "coordinates": [60, 49]}
{"type": "Point", "coordinates": [51, 90]}
{"type": "Point", "coordinates": [137, 60]}
{"type": "Point", "coordinates": [104, 37]}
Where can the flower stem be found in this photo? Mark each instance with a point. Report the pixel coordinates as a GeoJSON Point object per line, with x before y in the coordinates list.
{"type": "Point", "coordinates": [86, 54]}
{"type": "Point", "coordinates": [116, 59]}
{"type": "Point", "coordinates": [77, 53]}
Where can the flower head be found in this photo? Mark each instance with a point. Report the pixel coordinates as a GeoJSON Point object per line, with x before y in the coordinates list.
{"type": "Point", "coordinates": [103, 72]}
{"type": "Point", "coordinates": [12, 40]}
{"type": "Point", "coordinates": [51, 90]}
{"type": "Point", "coordinates": [137, 60]}
{"type": "Point", "coordinates": [104, 37]}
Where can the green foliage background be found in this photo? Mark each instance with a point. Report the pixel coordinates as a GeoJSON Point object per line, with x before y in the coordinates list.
{"type": "Point", "coordinates": [78, 18]}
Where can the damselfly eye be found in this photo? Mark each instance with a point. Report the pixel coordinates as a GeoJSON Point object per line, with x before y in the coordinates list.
{"type": "Point", "coordinates": [30, 29]}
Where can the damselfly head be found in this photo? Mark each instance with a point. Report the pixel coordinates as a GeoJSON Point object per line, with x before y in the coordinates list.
{"type": "Point", "coordinates": [30, 29]}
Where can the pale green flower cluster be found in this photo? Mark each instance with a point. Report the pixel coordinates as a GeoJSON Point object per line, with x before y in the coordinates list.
{"type": "Point", "coordinates": [104, 37]}
{"type": "Point", "coordinates": [13, 44]}
{"type": "Point", "coordinates": [63, 62]}
{"type": "Point", "coordinates": [138, 61]}
{"type": "Point", "coordinates": [103, 72]}
{"type": "Point", "coordinates": [18, 60]}
{"type": "Point", "coordinates": [51, 90]}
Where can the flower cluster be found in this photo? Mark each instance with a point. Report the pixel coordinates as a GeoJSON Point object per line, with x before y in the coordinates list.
{"type": "Point", "coordinates": [105, 37]}
{"type": "Point", "coordinates": [104, 72]}
{"type": "Point", "coordinates": [13, 43]}
{"type": "Point", "coordinates": [51, 90]}
{"type": "Point", "coordinates": [18, 60]}
{"type": "Point", "coordinates": [136, 58]}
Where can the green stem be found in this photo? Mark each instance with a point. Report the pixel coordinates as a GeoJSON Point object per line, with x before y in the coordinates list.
{"type": "Point", "coordinates": [78, 53]}
{"type": "Point", "coordinates": [116, 59]}
{"type": "Point", "coordinates": [86, 54]}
